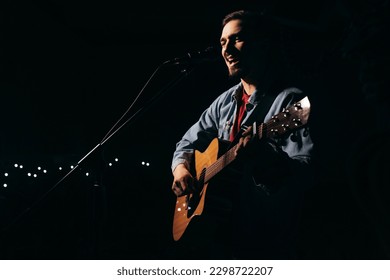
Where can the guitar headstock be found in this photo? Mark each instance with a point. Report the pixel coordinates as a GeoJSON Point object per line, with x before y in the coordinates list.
{"type": "Point", "coordinates": [289, 119]}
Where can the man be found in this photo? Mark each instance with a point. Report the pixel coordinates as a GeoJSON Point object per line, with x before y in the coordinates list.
{"type": "Point", "coordinates": [273, 173]}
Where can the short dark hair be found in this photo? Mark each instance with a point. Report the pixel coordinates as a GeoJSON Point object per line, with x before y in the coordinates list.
{"type": "Point", "coordinates": [255, 23]}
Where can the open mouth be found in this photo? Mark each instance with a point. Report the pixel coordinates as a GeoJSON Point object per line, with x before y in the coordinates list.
{"type": "Point", "coordinates": [232, 60]}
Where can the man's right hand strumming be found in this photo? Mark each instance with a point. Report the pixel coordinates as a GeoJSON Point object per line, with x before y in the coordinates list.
{"type": "Point", "coordinates": [182, 180]}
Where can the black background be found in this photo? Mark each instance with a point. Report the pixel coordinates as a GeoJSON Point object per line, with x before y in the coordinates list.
{"type": "Point", "coordinates": [70, 69]}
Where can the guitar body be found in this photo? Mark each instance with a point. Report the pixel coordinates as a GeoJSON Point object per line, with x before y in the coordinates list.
{"type": "Point", "coordinates": [191, 205]}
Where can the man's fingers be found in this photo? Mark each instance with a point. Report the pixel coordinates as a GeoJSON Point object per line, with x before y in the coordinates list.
{"type": "Point", "coordinates": [247, 131]}
{"type": "Point", "coordinates": [180, 188]}
{"type": "Point", "coordinates": [246, 140]}
{"type": "Point", "coordinates": [177, 190]}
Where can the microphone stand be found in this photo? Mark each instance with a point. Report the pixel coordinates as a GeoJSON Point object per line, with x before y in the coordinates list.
{"type": "Point", "coordinates": [97, 213]}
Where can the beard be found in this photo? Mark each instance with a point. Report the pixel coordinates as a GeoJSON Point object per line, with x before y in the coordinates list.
{"type": "Point", "coordinates": [236, 73]}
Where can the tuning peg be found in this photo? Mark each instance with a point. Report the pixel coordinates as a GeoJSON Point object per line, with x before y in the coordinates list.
{"type": "Point", "coordinates": [298, 106]}
{"type": "Point", "coordinates": [296, 121]}
{"type": "Point", "coordinates": [274, 131]}
{"type": "Point", "coordinates": [285, 112]}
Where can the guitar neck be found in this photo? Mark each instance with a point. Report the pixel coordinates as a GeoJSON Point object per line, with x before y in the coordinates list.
{"type": "Point", "coordinates": [220, 164]}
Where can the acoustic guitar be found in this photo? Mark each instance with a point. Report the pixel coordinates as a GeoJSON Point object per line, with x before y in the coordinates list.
{"type": "Point", "coordinates": [207, 164]}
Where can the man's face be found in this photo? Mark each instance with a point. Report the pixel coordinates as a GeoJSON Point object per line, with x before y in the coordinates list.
{"type": "Point", "coordinates": [245, 54]}
{"type": "Point", "coordinates": [235, 51]}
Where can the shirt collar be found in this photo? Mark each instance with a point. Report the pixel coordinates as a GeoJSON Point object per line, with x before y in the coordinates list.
{"type": "Point", "coordinates": [254, 98]}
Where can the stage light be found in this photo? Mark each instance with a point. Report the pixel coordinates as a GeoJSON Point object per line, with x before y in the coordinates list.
{"type": "Point", "coordinates": [6, 174]}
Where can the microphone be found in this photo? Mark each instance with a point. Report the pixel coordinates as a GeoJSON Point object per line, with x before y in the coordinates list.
{"type": "Point", "coordinates": [196, 57]}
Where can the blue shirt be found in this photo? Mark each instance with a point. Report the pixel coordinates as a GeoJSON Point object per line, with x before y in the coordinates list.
{"type": "Point", "coordinates": [217, 121]}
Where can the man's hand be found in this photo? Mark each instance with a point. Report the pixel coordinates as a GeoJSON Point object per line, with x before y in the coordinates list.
{"type": "Point", "coordinates": [182, 180]}
{"type": "Point", "coordinates": [244, 143]}
{"type": "Point", "coordinates": [251, 147]}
